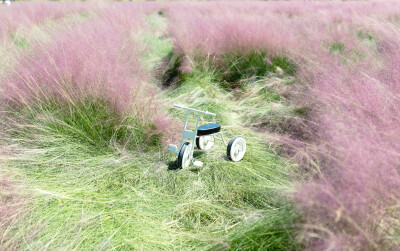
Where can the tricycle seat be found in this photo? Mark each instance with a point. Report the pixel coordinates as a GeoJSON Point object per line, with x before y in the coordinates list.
{"type": "Point", "coordinates": [208, 129]}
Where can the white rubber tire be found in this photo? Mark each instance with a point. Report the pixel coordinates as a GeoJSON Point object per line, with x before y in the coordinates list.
{"type": "Point", "coordinates": [205, 142]}
{"type": "Point", "coordinates": [185, 156]}
{"type": "Point", "coordinates": [236, 148]}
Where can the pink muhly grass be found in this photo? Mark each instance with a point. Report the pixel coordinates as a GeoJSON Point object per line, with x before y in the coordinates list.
{"type": "Point", "coordinates": [353, 201]}
{"type": "Point", "coordinates": [96, 59]}
{"type": "Point", "coordinates": [23, 15]}
{"type": "Point", "coordinates": [214, 28]}
{"type": "Point", "coordinates": [86, 61]}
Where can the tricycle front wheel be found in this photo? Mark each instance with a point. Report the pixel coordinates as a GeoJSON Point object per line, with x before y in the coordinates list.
{"type": "Point", "coordinates": [185, 155]}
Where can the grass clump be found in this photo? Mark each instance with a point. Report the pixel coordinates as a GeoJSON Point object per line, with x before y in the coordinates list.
{"type": "Point", "coordinates": [91, 122]}
{"type": "Point", "coordinates": [265, 106]}
{"type": "Point", "coordinates": [365, 35]}
{"type": "Point", "coordinates": [171, 73]}
{"type": "Point", "coordinates": [19, 41]}
{"type": "Point", "coordinates": [231, 70]}
{"type": "Point", "coordinates": [337, 47]}
{"type": "Point", "coordinates": [237, 68]}
{"type": "Point", "coordinates": [269, 239]}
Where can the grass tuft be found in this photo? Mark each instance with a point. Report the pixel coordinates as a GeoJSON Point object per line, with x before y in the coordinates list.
{"type": "Point", "coordinates": [236, 69]}
{"type": "Point", "coordinates": [171, 74]}
{"type": "Point", "coordinates": [337, 47]}
{"type": "Point", "coordinates": [91, 122]}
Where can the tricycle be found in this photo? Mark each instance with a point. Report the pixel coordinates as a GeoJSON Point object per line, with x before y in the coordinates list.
{"type": "Point", "coordinates": [204, 136]}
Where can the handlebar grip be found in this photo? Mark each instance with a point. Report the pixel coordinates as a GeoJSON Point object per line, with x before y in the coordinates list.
{"type": "Point", "coordinates": [178, 106]}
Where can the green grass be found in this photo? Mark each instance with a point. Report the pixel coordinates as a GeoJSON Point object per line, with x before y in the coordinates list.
{"type": "Point", "coordinates": [233, 70]}
{"type": "Point", "coordinates": [91, 122]}
{"type": "Point", "coordinates": [237, 69]}
{"type": "Point", "coordinates": [365, 35]}
{"type": "Point", "coordinates": [337, 47]}
{"type": "Point", "coordinates": [93, 192]}
{"type": "Point", "coordinates": [82, 200]}
{"type": "Point", "coordinates": [19, 41]}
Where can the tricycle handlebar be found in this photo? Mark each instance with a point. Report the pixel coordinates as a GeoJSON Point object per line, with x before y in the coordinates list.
{"type": "Point", "coordinates": [191, 109]}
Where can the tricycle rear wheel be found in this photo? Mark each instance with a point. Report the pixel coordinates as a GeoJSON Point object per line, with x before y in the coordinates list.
{"type": "Point", "coordinates": [205, 142]}
{"type": "Point", "coordinates": [185, 156]}
{"type": "Point", "coordinates": [236, 148]}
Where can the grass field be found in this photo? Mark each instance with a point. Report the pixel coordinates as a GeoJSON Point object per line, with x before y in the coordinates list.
{"type": "Point", "coordinates": [86, 116]}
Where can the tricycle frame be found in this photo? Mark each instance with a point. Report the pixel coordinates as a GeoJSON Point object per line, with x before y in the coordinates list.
{"type": "Point", "coordinates": [236, 147]}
